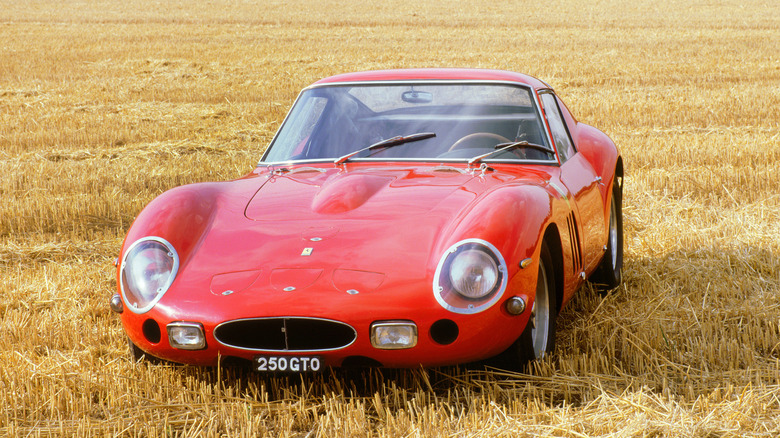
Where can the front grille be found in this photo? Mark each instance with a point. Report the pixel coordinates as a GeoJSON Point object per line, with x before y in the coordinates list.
{"type": "Point", "coordinates": [285, 334]}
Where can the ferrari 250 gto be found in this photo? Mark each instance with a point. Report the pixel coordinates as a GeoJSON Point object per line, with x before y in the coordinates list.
{"type": "Point", "coordinates": [398, 218]}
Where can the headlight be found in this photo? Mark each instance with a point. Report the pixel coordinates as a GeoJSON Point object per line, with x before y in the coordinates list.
{"type": "Point", "coordinates": [148, 269]}
{"type": "Point", "coordinates": [471, 277]}
{"type": "Point", "coordinates": [473, 273]}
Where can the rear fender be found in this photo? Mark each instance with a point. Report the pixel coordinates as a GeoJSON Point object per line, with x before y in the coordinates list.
{"type": "Point", "coordinates": [601, 153]}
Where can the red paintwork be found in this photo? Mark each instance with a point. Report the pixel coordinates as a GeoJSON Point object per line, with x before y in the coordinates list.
{"type": "Point", "coordinates": [446, 74]}
{"type": "Point", "coordinates": [383, 230]}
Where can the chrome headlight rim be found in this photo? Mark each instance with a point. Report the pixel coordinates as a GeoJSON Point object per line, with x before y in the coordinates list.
{"type": "Point", "coordinates": [170, 251]}
{"type": "Point", "coordinates": [456, 302]}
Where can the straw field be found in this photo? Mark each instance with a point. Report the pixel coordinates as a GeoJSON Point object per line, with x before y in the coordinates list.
{"type": "Point", "coordinates": [105, 104]}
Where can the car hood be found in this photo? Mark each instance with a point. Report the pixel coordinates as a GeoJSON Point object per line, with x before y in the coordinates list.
{"type": "Point", "coordinates": [320, 232]}
{"type": "Point", "coordinates": [371, 194]}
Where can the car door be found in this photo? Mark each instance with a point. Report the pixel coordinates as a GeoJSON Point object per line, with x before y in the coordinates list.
{"type": "Point", "coordinates": [581, 180]}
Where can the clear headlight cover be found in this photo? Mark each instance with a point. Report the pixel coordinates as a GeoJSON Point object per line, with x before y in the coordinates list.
{"type": "Point", "coordinates": [473, 273]}
{"type": "Point", "coordinates": [148, 269]}
{"type": "Point", "coordinates": [471, 277]}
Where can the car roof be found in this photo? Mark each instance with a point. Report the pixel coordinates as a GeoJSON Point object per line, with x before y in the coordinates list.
{"type": "Point", "coordinates": [433, 74]}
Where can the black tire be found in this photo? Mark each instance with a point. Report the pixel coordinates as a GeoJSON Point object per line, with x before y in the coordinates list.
{"type": "Point", "coordinates": [538, 337]}
{"type": "Point", "coordinates": [609, 274]}
{"type": "Point", "coordinates": [136, 354]}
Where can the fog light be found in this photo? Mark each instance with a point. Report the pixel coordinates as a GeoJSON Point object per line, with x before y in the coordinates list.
{"type": "Point", "coordinates": [393, 335]}
{"type": "Point", "coordinates": [186, 335]}
{"type": "Point", "coordinates": [515, 305]}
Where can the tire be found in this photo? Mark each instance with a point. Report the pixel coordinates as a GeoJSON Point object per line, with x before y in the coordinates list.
{"type": "Point", "coordinates": [137, 355]}
{"type": "Point", "coordinates": [609, 273]}
{"type": "Point", "coordinates": [538, 337]}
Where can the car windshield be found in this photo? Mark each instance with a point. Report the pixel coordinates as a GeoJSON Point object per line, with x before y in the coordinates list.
{"type": "Point", "coordinates": [468, 120]}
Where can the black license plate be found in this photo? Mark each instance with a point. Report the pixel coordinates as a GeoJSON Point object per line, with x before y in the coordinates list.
{"type": "Point", "coordinates": [288, 364]}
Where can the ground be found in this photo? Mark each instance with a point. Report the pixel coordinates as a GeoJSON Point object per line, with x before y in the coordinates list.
{"type": "Point", "coordinates": [104, 105]}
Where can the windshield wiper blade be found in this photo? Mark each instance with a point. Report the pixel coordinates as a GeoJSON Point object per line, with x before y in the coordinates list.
{"type": "Point", "coordinates": [388, 143]}
{"type": "Point", "coordinates": [501, 147]}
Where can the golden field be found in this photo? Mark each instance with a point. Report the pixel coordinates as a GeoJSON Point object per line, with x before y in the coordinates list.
{"type": "Point", "coordinates": [106, 104]}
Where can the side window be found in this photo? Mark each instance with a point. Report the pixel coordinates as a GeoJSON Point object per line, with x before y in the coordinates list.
{"type": "Point", "coordinates": [557, 126]}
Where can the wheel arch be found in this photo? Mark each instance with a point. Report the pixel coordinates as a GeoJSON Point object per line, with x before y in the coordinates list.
{"type": "Point", "coordinates": [552, 238]}
{"type": "Point", "coordinates": [619, 171]}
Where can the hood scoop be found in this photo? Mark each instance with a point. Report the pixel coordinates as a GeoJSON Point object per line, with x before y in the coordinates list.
{"type": "Point", "coordinates": [348, 193]}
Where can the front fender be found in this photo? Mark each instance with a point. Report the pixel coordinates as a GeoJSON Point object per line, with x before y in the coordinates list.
{"type": "Point", "coordinates": [511, 217]}
{"type": "Point", "coordinates": [181, 216]}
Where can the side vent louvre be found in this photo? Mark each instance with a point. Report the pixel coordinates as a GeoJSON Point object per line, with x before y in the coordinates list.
{"type": "Point", "coordinates": [574, 239]}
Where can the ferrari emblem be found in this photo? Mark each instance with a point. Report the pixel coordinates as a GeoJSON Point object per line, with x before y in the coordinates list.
{"type": "Point", "coordinates": [307, 251]}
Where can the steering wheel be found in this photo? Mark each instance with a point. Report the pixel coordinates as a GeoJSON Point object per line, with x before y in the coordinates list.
{"type": "Point", "coordinates": [465, 140]}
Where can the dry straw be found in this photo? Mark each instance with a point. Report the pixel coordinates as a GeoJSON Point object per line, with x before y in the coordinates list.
{"type": "Point", "coordinates": [104, 105]}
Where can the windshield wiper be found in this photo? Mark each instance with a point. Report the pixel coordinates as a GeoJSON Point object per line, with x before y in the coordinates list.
{"type": "Point", "coordinates": [501, 147]}
{"type": "Point", "coordinates": [390, 142]}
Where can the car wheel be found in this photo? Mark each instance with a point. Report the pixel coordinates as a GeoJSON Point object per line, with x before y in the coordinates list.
{"type": "Point", "coordinates": [609, 274]}
{"type": "Point", "coordinates": [538, 337]}
{"type": "Point", "coordinates": [138, 355]}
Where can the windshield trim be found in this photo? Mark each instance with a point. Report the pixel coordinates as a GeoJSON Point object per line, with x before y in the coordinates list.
{"type": "Point", "coordinates": [533, 91]}
{"type": "Point", "coordinates": [404, 160]}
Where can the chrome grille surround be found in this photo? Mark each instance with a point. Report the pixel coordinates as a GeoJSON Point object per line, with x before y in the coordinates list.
{"type": "Point", "coordinates": [285, 334]}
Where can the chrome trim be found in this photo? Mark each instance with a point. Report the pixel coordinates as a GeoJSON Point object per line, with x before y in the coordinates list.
{"type": "Point", "coordinates": [559, 190]}
{"type": "Point", "coordinates": [285, 318]}
{"type": "Point", "coordinates": [305, 169]}
{"type": "Point", "coordinates": [174, 270]}
{"type": "Point", "coordinates": [471, 309]}
{"type": "Point", "coordinates": [116, 303]}
{"type": "Point", "coordinates": [515, 306]}
{"type": "Point", "coordinates": [432, 160]}
{"type": "Point", "coordinates": [419, 81]}
{"type": "Point", "coordinates": [281, 125]}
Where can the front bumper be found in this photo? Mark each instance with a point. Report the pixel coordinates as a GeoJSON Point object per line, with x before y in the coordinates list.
{"type": "Point", "coordinates": [442, 338]}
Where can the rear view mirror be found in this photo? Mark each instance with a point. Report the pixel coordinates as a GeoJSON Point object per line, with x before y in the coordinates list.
{"type": "Point", "coordinates": [417, 97]}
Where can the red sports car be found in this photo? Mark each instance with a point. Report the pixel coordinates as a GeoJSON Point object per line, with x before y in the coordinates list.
{"type": "Point", "coordinates": [398, 218]}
